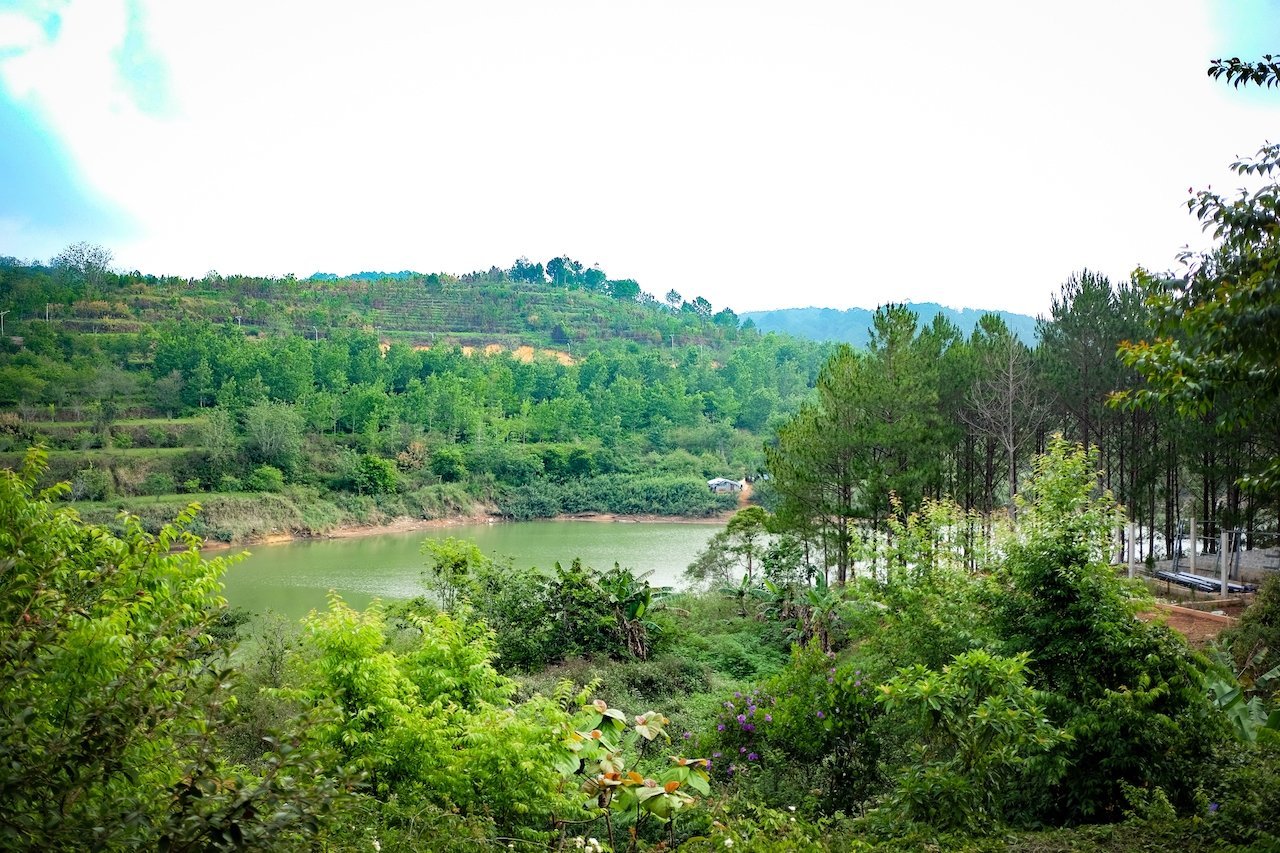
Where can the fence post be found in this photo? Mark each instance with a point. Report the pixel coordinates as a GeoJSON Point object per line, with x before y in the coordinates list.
{"type": "Point", "coordinates": [1224, 563]}
{"type": "Point", "coordinates": [1194, 543]}
{"type": "Point", "coordinates": [1133, 561]}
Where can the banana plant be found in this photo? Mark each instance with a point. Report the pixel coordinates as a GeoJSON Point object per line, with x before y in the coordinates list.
{"type": "Point", "coordinates": [1248, 716]}
{"type": "Point", "coordinates": [632, 597]}
{"type": "Point", "coordinates": [740, 593]}
{"type": "Point", "coordinates": [819, 607]}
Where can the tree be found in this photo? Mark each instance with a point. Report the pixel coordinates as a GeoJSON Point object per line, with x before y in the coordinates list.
{"type": "Point", "coordinates": [84, 264]}
{"type": "Point", "coordinates": [112, 686]}
{"type": "Point", "coordinates": [1239, 73]}
{"type": "Point", "coordinates": [167, 393]}
{"type": "Point", "coordinates": [1130, 694]}
{"type": "Point", "coordinates": [1003, 402]}
{"type": "Point", "coordinates": [523, 270]}
{"type": "Point", "coordinates": [624, 289]}
{"type": "Point", "coordinates": [747, 536]}
{"type": "Point", "coordinates": [374, 475]}
{"type": "Point", "coordinates": [564, 271]}
{"type": "Point", "coordinates": [1217, 341]}
{"type": "Point", "coordinates": [273, 434]}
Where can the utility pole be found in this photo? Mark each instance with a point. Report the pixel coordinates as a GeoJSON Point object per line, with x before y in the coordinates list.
{"type": "Point", "coordinates": [317, 331]}
{"type": "Point", "coordinates": [2, 313]}
{"type": "Point", "coordinates": [46, 311]}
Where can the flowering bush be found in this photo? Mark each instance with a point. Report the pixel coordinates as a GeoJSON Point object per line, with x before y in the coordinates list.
{"type": "Point", "coordinates": [812, 728]}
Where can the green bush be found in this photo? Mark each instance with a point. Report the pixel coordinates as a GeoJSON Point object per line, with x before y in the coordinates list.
{"type": "Point", "coordinates": [113, 695]}
{"type": "Point", "coordinates": [1130, 694]}
{"type": "Point", "coordinates": [373, 475]}
{"type": "Point", "coordinates": [447, 464]}
{"type": "Point", "coordinates": [538, 500]}
{"type": "Point", "coordinates": [159, 483]}
{"type": "Point", "coordinates": [983, 734]}
{"type": "Point", "coordinates": [92, 484]}
{"type": "Point", "coordinates": [265, 478]}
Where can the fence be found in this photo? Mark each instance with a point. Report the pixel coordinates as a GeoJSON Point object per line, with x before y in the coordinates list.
{"type": "Point", "coordinates": [1213, 563]}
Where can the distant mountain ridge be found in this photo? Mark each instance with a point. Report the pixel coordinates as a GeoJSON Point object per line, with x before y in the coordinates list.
{"type": "Point", "coordinates": [853, 326]}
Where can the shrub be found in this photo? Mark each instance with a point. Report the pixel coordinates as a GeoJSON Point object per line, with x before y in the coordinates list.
{"type": "Point", "coordinates": [982, 733]}
{"type": "Point", "coordinates": [265, 478]}
{"type": "Point", "coordinates": [92, 484]}
{"type": "Point", "coordinates": [111, 694]}
{"type": "Point", "coordinates": [373, 476]}
{"type": "Point", "coordinates": [447, 464]}
{"type": "Point", "coordinates": [158, 483]}
{"type": "Point", "coordinates": [1131, 694]}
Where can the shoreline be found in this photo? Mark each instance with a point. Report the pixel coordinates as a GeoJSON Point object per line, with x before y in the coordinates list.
{"type": "Point", "coordinates": [406, 524]}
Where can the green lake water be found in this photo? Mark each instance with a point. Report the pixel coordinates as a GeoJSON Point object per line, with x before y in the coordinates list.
{"type": "Point", "coordinates": [294, 577]}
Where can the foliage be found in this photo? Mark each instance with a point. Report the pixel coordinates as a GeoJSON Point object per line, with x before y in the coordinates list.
{"type": "Point", "coordinates": [430, 721]}
{"type": "Point", "coordinates": [265, 478]}
{"type": "Point", "coordinates": [1131, 696]}
{"type": "Point", "coordinates": [374, 476]}
{"type": "Point", "coordinates": [1238, 73]}
{"type": "Point", "coordinates": [542, 618]}
{"type": "Point", "coordinates": [1217, 322]}
{"type": "Point", "coordinates": [870, 435]}
{"type": "Point", "coordinates": [1254, 641]}
{"type": "Point", "coordinates": [985, 734]}
{"type": "Point", "coordinates": [111, 687]}
{"type": "Point", "coordinates": [599, 745]}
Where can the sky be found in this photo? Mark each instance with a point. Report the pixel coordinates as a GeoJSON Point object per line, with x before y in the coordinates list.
{"type": "Point", "coordinates": [759, 154]}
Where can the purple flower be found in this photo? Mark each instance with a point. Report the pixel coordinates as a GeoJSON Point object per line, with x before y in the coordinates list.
{"type": "Point", "coordinates": [687, 735]}
{"type": "Point", "coordinates": [1213, 807]}
{"type": "Point", "coordinates": [715, 755]}
{"type": "Point", "coordinates": [752, 710]}
{"type": "Point", "coordinates": [742, 749]}
{"type": "Point", "coordinates": [821, 715]}
{"type": "Point", "coordinates": [720, 727]}
{"type": "Point", "coordinates": [749, 727]}
{"type": "Point", "coordinates": [857, 683]}
{"type": "Point", "coordinates": [742, 718]}
{"type": "Point", "coordinates": [737, 695]}
{"type": "Point", "coordinates": [768, 718]}
{"type": "Point", "coordinates": [753, 757]}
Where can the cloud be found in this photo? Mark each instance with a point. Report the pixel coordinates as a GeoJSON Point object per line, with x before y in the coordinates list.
{"type": "Point", "coordinates": [756, 153]}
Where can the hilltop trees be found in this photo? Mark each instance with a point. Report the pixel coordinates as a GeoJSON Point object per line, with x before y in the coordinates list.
{"type": "Point", "coordinates": [84, 265]}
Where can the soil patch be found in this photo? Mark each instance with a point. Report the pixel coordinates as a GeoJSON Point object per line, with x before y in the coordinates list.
{"type": "Point", "coordinates": [1197, 626]}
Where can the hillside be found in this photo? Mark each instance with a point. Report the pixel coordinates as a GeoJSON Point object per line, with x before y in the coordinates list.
{"type": "Point", "coordinates": [296, 405]}
{"type": "Point", "coordinates": [853, 326]}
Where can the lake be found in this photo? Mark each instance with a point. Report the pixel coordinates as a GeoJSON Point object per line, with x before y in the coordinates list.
{"type": "Point", "coordinates": [293, 578]}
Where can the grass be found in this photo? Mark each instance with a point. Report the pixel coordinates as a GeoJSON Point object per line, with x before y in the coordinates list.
{"type": "Point", "coordinates": [124, 422]}
{"type": "Point", "coordinates": [140, 452]}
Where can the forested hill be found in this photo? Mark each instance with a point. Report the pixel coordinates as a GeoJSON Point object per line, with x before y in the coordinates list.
{"type": "Point", "coordinates": [854, 325]}
{"type": "Point", "coordinates": [292, 404]}
{"type": "Point", "coordinates": [559, 305]}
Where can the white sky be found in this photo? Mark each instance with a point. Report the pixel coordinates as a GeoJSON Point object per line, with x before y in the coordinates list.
{"type": "Point", "coordinates": [760, 154]}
